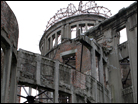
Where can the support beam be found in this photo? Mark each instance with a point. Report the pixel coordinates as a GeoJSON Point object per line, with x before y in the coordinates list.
{"type": "Point", "coordinates": [38, 70]}
{"type": "Point", "coordinates": [56, 39]}
{"type": "Point", "coordinates": [51, 42]}
{"type": "Point", "coordinates": [6, 75]}
{"type": "Point", "coordinates": [56, 81]}
{"type": "Point", "coordinates": [101, 72]}
{"type": "Point", "coordinates": [93, 71]}
{"type": "Point", "coordinates": [13, 85]}
{"type": "Point", "coordinates": [131, 27]}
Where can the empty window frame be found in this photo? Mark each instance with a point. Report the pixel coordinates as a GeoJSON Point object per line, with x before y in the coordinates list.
{"type": "Point", "coordinates": [105, 73]}
{"type": "Point", "coordinates": [59, 37]}
{"type": "Point", "coordinates": [89, 26]}
{"type": "Point", "coordinates": [125, 73]}
{"type": "Point", "coordinates": [82, 28]}
{"type": "Point", "coordinates": [2, 62]}
{"type": "Point", "coordinates": [53, 38]}
{"type": "Point", "coordinates": [123, 36]}
{"type": "Point", "coordinates": [70, 60]}
{"type": "Point", "coordinates": [97, 57]}
{"type": "Point", "coordinates": [64, 97]}
{"type": "Point", "coordinates": [42, 47]}
{"type": "Point", "coordinates": [49, 44]}
{"type": "Point", "coordinates": [73, 31]}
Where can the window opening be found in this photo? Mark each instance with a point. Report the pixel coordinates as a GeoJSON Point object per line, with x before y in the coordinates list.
{"type": "Point", "coordinates": [53, 38]}
{"type": "Point", "coordinates": [125, 73]}
{"type": "Point", "coordinates": [70, 60]}
{"type": "Point", "coordinates": [73, 32]}
{"type": "Point", "coordinates": [97, 56]}
{"type": "Point", "coordinates": [42, 48]}
{"type": "Point", "coordinates": [89, 26]}
{"type": "Point", "coordinates": [49, 43]}
{"type": "Point", "coordinates": [82, 28]}
{"type": "Point", "coordinates": [59, 37]}
{"type": "Point", "coordinates": [31, 95]}
{"type": "Point", "coordinates": [104, 73]}
{"type": "Point", "coordinates": [64, 98]}
{"type": "Point", "coordinates": [2, 62]}
{"type": "Point", "coordinates": [123, 36]}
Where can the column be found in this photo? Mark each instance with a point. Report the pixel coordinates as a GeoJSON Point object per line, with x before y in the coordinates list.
{"type": "Point", "coordinates": [51, 42]}
{"type": "Point", "coordinates": [131, 27]}
{"type": "Point", "coordinates": [56, 81]}
{"type": "Point", "coordinates": [38, 70]}
{"type": "Point", "coordinates": [68, 31]}
{"type": "Point", "coordinates": [6, 74]}
{"type": "Point", "coordinates": [115, 72]}
{"type": "Point", "coordinates": [77, 30]}
{"type": "Point", "coordinates": [56, 39]}
{"type": "Point", "coordinates": [30, 90]}
{"type": "Point", "coordinates": [62, 33]}
{"type": "Point", "coordinates": [44, 46]}
{"type": "Point", "coordinates": [13, 84]}
{"type": "Point", "coordinates": [86, 26]}
{"type": "Point", "coordinates": [93, 71]}
{"type": "Point", "coordinates": [101, 72]}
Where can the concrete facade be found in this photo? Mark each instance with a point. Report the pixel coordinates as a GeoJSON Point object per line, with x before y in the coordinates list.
{"type": "Point", "coordinates": [81, 60]}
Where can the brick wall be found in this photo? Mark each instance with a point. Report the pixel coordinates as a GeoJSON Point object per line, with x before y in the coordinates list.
{"type": "Point", "coordinates": [86, 63]}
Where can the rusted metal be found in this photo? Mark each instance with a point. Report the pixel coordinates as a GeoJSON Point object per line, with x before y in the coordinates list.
{"type": "Point", "coordinates": [88, 8]}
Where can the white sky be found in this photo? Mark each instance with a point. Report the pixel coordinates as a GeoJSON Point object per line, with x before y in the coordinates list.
{"type": "Point", "coordinates": [32, 17]}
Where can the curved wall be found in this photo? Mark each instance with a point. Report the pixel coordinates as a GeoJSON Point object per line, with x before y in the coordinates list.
{"type": "Point", "coordinates": [9, 42]}
{"type": "Point", "coordinates": [64, 27]}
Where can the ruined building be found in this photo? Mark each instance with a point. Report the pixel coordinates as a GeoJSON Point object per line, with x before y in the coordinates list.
{"type": "Point", "coordinates": [81, 61]}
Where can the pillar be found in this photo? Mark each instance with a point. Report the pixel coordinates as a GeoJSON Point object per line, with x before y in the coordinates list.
{"type": "Point", "coordinates": [56, 39]}
{"type": "Point", "coordinates": [30, 90]}
{"type": "Point", "coordinates": [56, 81]}
{"type": "Point", "coordinates": [68, 31]}
{"type": "Point", "coordinates": [77, 30]}
{"type": "Point", "coordinates": [115, 72]}
{"type": "Point", "coordinates": [44, 45]}
{"type": "Point", "coordinates": [131, 27]}
{"type": "Point", "coordinates": [101, 72]}
{"type": "Point", "coordinates": [6, 74]}
{"type": "Point", "coordinates": [93, 71]}
{"type": "Point", "coordinates": [86, 26]}
{"type": "Point", "coordinates": [51, 42]}
{"type": "Point", "coordinates": [62, 33]}
{"type": "Point", "coordinates": [13, 84]}
{"type": "Point", "coordinates": [38, 70]}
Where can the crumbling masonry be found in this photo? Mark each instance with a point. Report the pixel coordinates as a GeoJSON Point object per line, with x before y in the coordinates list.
{"type": "Point", "coordinates": [81, 58]}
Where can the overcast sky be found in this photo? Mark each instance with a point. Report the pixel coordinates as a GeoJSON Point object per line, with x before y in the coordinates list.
{"type": "Point", "coordinates": [32, 17]}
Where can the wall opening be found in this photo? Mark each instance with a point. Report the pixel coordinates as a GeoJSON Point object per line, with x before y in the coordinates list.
{"type": "Point", "coordinates": [42, 47]}
{"type": "Point", "coordinates": [42, 96]}
{"type": "Point", "coordinates": [2, 63]}
{"type": "Point", "coordinates": [125, 73]}
{"type": "Point", "coordinates": [53, 38]}
{"type": "Point", "coordinates": [49, 44]}
{"type": "Point", "coordinates": [82, 28]}
{"type": "Point", "coordinates": [64, 97]}
{"type": "Point", "coordinates": [70, 60]}
{"type": "Point", "coordinates": [105, 74]}
{"type": "Point", "coordinates": [59, 37]}
{"type": "Point", "coordinates": [97, 58]}
{"type": "Point", "coordinates": [123, 36]}
{"type": "Point", "coordinates": [89, 26]}
{"type": "Point", "coordinates": [73, 32]}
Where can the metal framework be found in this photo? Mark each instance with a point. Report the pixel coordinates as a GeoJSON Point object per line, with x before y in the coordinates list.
{"type": "Point", "coordinates": [88, 8]}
